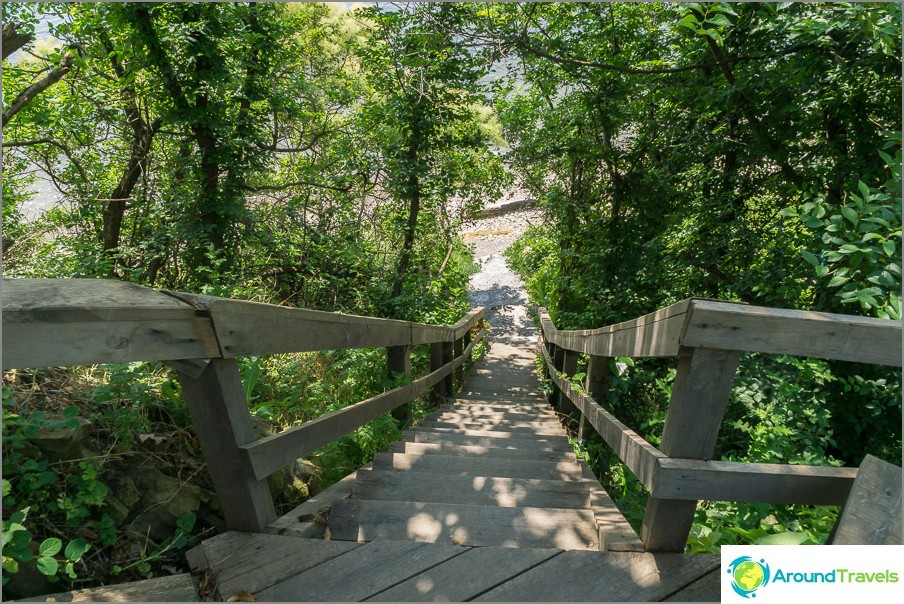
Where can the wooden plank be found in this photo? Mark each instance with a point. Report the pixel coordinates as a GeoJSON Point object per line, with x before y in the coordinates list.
{"type": "Point", "coordinates": [426, 436]}
{"type": "Point", "coordinates": [616, 534]}
{"type": "Point", "coordinates": [477, 466]}
{"type": "Point", "coordinates": [479, 410]}
{"type": "Point", "coordinates": [390, 485]}
{"type": "Point", "coordinates": [604, 577]}
{"type": "Point", "coordinates": [654, 335]}
{"type": "Point", "coordinates": [752, 482]}
{"type": "Point", "coordinates": [486, 433]}
{"type": "Point", "coordinates": [220, 418]}
{"type": "Point", "coordinates": [469, 525]}
{"type": "Point", "coordinates": [569, 367]}
{"type": "Point", "coordinates": [707, 588]}
{"type": "Point", "coordinates": [514, 419]}
{"type": "Point", "coordinates": [796, 332]}
{"type": "Point", "coordinates": [521, 428]}
{"type": "Point", "coordinates": [269, 454]}
{"type": "Point", "coordinates": [465, 576]}
{"type": "Point", "coordinates": [639, 455]}
{"type": "Point", "coordinates": [479, 451]}
{"type": "Point", "coordinates": [298, 522]}
{"type": "Point", "coordinates": [174, 588]}
{"type": "Point", "coordinates": [872, 514]}
{"type": "Point", "coordinates": [252, 562]}
{"type": "Point", "coordinates": [596, 386]}
{"type": "Point", "coordinates": [699, 395]}
{"type": "Point", "coordinates": [361, 573]}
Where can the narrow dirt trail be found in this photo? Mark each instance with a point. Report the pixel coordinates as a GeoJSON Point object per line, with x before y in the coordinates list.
{"type": "Point", "coordinates": [495, 286]}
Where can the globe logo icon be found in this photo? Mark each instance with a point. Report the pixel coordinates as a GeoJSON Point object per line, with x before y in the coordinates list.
{"type": "Point", "coordinates": [748, 575]}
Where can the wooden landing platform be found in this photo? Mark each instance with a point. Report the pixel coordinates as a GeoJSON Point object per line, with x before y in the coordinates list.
{"type": "Point", "coordinates": [280, 568]}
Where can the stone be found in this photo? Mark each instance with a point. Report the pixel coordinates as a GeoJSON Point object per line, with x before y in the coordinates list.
{"type": "Point", "coordinates": [63, 443]}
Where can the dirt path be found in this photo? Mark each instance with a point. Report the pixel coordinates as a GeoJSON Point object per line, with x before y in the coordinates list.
{"type": "Point", "coordinates": [495, 286]}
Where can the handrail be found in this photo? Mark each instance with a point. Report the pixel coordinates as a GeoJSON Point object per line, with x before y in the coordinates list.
{"type": "Point", "coordinates": [708, 336]}
{"type": "Point", "coordinates": [51, 322]}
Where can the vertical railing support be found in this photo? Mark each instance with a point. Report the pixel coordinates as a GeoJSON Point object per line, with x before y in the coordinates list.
{"type": "Point", "coordinates": [440, 354]}
{"type": "Point", "coordinates": [222, 421]}
{"type": "Point", "coordinates": [699, 395]}
{"type": "Point", "coordinates": [569, 368]}
{"type": "Point", "coordinates": [596, 385]}
{"type": "Point", "coordinates": [458, 347]}
{"type": "Point", "coordinates": [557, 354]}
{"type": "Point", "coordinates": [398, 361]}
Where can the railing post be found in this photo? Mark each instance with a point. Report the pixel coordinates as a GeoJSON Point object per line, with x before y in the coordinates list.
{"type": "Point", "coordinates": [222, 421]}
{"type": "Point", "coordinates": [596, 385]}
{"type": "Point", "coordinates": [569, 368]}
{"type": "Point", "coordinates": [458, 347]}
{"type": "Point", "coordinates": [440, 354]}
{"type": "Point", "coordinates": [699, 395]}
{"type": "Point", "coordinates": [398, 361]}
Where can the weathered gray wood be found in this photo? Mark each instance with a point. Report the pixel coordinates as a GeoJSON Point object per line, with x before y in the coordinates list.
{"type": "Point", "coordinates": [221, 419]}
{"type": "Point", "coordinates": [477, 466]}
{"type": "Point", "coordinates": [269, 454]}
{"type": "Point", "coordinates": [457, 524]}
{"type": "Point", "coordinates": [569, 368]}
{"type": "Point", "coordinates": [752, 482]}
{"type": "Point", "coordinates": [174, 588]}
{"type": "Point", "coordinates": [361, 573]}
{"type": "Point", "coordinates": [515, 427]}
{"type": "Point", "coordinates": [479, 410]}
{"type": "Point", "coordinates": [251, 562]}
{"type": "Point", "coordinates": [465, 576]}
{"type": "Point", "coordinates": [872, 514]}
{"type": "Point", "coordinates": [699, 395]}
{"type": "Point", "coordinates": [245, 328]}
{"type": "Point", "coordinates": [49, 322]}
{"type": "Point", "coordinates": [596, 386]}
{"type": "Point", "coordinates": [500, 418]}
{"type": "Point", "coordinates": [427, 436]}
{"type": "Point", "coordinates": [639, 455]}
{"type": "Point", "coordinates": [615, 532]}
{"type": "Point", "coordinates": [391, 485]}
{"type": "Point", "coordinates": [797, 332]}
{"type": "Point", "coordinates": [604, 577]}
{"type": "Point", "coordinates": [440, 391]}
{"type": "Point", "coordinates": [478, 451]}
{"type": "Point", "coordinates": [486, 433]}
{"type": "Point", "coordinates": [707, 588]}
{"type": "Point", "coordinates": [654, 335]}
{"type": "Point", "coordinates": [296, 522]}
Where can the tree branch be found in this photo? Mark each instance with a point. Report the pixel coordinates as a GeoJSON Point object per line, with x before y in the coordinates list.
{"type": "Point", "coordinates": [289, 185]}
{"type": "Point", "coordinates": [27, 95]}
{"type": "Point", "coordinates": [13, 39]}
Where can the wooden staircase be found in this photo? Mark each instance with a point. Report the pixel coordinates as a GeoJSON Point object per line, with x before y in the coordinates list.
{"type": "Point", "coordinates": [492, 468]}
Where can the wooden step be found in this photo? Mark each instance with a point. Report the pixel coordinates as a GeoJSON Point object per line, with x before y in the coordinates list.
{"type": "Point", "coordinates": [521, 428]}
{"type": "Point", "coordinates": [396, 485]}
{"type": "Point", "coordinates": [172, 588]}
{"type": "Point", "coordinates": [540, 408]}
{"type": "Point", "coordinates": [460, 524]}
{"type": "Point", "coordinates": [507, 400]}
{"type": "Point", "coordinates": [481, 451]}
{"type": "Point", "coordinates": [458, 438]}
{"type": "Point", "coordinates": [495, 418]}
{"type": "Point", "coordinates": [444, 429]}
{"type": "Point", "coordinates": [478, 466]}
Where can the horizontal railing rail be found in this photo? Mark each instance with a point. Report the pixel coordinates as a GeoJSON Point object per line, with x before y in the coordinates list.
{"type": "Point", "coordinates": [707, 337]}
{"type": "Point", "coordinates": [53, 322]}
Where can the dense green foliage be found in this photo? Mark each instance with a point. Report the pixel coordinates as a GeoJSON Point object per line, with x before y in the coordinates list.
{"type": "Point", "coordinates": [306, 155]}
{"type": "Point", "coordinates": [744, 152]}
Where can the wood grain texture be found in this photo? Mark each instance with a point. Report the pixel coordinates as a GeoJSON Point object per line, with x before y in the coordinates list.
{"type": "Point", "coordinates": [360, 573]}
{"type": "Point", "coordinates": [707, 588]}
{"type": "Point", "coordinates": [453, 438]}
{"type": "Point", "coordinates": [300, 516]}
{"type": "Point", "coordinates": [615, 532]}
{"type": "Point", "coordinates": [478, 466]}
{"type": "Point", "coordinates": [872, 514]}
{"type": "Point", "coordinates": [796, 332]}
{"type": "Point", "coordinates": [466, 576]}
{"type": "Point", "coordinates": [752, 482]}
{"type": "Point", "coordinates": [220, 418]}
{"type": "Point", "coordinates": [526, 454]}
{"type": "Point", "coordinates": [458, 524]}
{"type": "Point", "coordinates": [392, 485]}
{"type": "Point", "coordinates": [611, 577]}
{"type": "Point", "coordinates": [516, 428]}
{"type": "Point", "coordinates": [174, 588]}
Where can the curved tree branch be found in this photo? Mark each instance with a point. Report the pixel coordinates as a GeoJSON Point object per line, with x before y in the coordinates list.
{"type": "Point", "coordinates": [27, 95]}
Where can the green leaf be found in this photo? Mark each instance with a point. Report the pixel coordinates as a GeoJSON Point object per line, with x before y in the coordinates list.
{"type": "Point", "coordinates": [76, 549]}
{"type": "Point", "coordinates": [48, 566]}
{"type": "Point", "coordinates": [70, 412]}
{"type": "Point", "coordinates": [889, 248]}
{"type": "Point", "coordinates": [50, 547]}
{"type": "Point", "coordinates": [10, 565]}
{"type": "Point", "coordinates": [7, 487]}
{"type": "Point", "coordinates": [864, 190]}
{"type": "Point", "coordinates": [785, 538]}
{"type": "Point", "coordinates": [790, 212]}
{"type": "Point", "coordinates": [719, 20]}
{"type": "Point", "coordinates": [836, 281]}
{"type": "Point", "coordinates": [850, 214]}
{"type": "Point", "coordinates": [810, 257]}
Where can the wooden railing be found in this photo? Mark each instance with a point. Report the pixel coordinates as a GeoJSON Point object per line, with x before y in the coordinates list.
{"type": "Point", "coordinates": [51, 322]}
{"type": "Point", "coordinates": [708, 338]}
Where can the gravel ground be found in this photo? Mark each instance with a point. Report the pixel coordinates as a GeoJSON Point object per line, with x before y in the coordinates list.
{"type": "Point", "coordinates": [495, 286]}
